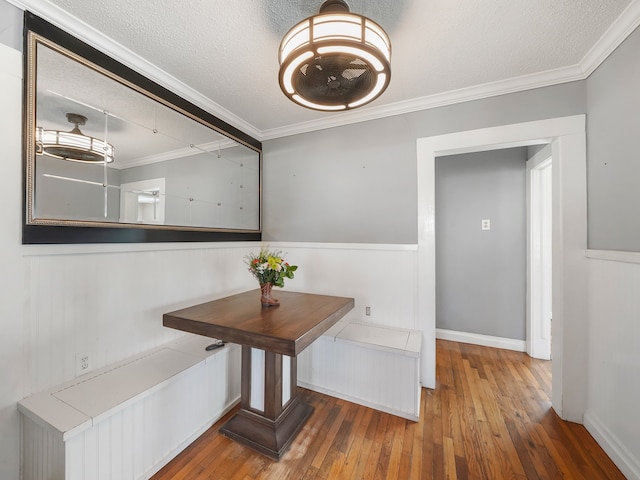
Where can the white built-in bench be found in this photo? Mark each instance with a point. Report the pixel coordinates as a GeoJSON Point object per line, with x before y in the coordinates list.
{"type": "Point", "coordinates": [128, 420]}
{"type": "Point", "coordinates": [372, 365]}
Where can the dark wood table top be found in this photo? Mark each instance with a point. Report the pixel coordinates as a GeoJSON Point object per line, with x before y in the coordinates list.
{"type": "Point", "coordinates": [286, 329]}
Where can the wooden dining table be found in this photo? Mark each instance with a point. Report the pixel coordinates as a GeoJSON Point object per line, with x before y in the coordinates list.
{"type": "Point", "coordinates": [271, 410]}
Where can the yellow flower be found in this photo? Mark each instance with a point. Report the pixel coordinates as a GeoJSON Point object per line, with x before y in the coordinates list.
{"type": "Point", "coordinates": [269, 266]}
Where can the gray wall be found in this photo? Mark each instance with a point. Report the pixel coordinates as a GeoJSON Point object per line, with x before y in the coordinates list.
{"type": "Point", "coordinates": [56, 198]}
{"type": "Point", "coordinates": [225, 190]}
{"type": "Point", "coordinates": [481, 274]}
{"type": "Point", "coordinates": [613, 167]}
{"type": "Point", "coordinates": [357, 183]}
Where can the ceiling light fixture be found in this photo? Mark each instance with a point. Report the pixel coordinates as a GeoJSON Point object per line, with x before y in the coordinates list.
{"type": "Point", "coordinates": [74, 145]}
{"type": "Point", "coordinates": [335, 60]}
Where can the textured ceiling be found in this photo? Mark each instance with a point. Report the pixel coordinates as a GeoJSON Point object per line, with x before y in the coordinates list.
{"type": "Point", "coordinates": [227, 50]}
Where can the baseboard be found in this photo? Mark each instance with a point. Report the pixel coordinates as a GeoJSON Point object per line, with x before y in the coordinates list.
{"type": "Point", "coordinates": [484, 340]}
{"type": "Point", "coordinates": [625, 461]}
{"type": "Point", "coordinates": [359, 401]}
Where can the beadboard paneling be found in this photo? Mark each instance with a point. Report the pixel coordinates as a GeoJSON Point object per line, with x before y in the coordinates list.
{"type": "Point", "coordinates": [614, 360]}
{"type": "Point", "coordinates": [136, 438]}
{"type": "Point", "coordinates": [373, 377]}
{"type": "Point", "coordinates": [107, 302]}
{"type": "Point", "coordinates": [109, 305]}
{"type": "Point", "coordinates": [46, 450]}
{"type": "Point", "coordinates": [383, 277]}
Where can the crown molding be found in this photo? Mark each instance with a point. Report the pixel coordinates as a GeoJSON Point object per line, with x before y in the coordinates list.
{"type": "Point", "coordinates": [619, 30]}
{"type": "Point", "coordinates": [478, 92]}
{"type": "Point", "coordinates": [209, 147]}
{"type": "Point", "coordinates": [76, 27]}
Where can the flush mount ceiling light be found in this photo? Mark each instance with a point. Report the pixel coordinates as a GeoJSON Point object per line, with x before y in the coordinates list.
{"type": "Point", "coordinates": [74, 145]}
{"type": "Point", "coordinates": [335, 60]}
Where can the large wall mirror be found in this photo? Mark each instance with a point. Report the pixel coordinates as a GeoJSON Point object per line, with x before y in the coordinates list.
{"type": "Point", "coordinates": [112, 157]}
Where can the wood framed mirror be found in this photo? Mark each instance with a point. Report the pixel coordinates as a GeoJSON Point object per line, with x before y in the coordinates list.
{"type": "Point", "coordinates": [111, 156]}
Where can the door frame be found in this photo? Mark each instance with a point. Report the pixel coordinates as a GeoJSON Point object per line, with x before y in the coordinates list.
{"type": "Point", "coordinates": [569, 241]}
{"type": "Point", "coordinates": [539, 261]}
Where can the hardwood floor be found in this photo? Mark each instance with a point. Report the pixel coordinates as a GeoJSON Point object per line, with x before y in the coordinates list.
{"type": "Point", "coordinates": [490, 418]}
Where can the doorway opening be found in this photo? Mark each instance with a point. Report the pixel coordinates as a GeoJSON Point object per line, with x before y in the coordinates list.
{"type": "Point", "coordinates": [143, 201]}
{"type": "Point", "coordinates": [566, 136]}
{"type": "Point", "coordinates": [481, 247]}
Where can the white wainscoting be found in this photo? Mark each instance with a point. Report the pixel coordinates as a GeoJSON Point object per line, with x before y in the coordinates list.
{"type": "Point", "coordinates": [129, 420]}
{"type": "Point", "coordinates": [613, 302]}
{"type": "Point", "coordinates": [372, 365]}
{"type": "Point", "coordinates": [382, 277]}
{"type": "Point", "coordinates": [106, 301]}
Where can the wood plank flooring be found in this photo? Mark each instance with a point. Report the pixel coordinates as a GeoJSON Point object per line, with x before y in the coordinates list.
{"type": "Point", "coordinates": [489, 418]}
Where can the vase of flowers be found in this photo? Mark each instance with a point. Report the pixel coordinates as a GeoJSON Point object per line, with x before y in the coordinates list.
{"type": "Point", "coordinates": [270, 269]}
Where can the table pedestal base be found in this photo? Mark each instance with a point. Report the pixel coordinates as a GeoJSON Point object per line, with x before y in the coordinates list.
{"type": "Point", "coordinates": [271, 411]}
{"type": "Point", "coordinates": [269, 422]}
{"type": "Point", "coordinates": [269, 437]}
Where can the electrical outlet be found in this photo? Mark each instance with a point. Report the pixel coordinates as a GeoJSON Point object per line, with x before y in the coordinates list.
{"type": "Point", "coordinates": [82, 363]}
{"type": "Point", "coordinates": [486, 224]}
{"type": "Point", "coordinates": [367, 311]}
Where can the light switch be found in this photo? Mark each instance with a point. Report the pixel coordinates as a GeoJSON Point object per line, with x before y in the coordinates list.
{"type": "Point", "coordinates": [486, 224]}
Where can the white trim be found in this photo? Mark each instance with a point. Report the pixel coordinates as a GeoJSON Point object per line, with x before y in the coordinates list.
{"type": "Point", "coordinates": [359, 401]}
{"type": "Point", "coordinates": [484, 340]}
{"type": "Point", "coordinates": [96, 248]}
{"type": "Point", "coordinates": [75, 249]}
{"type": "Point", "coordinates": [568, 141]}
{"type": "Point", "coordinates": [614, 255]}
{"type": "Point", "coordinates": [623, 458]}
{"type": "Point", "coordinates": [88, 34]}
{"type": "Point", "coordinates": [452, 97]}
{"type": "Point", "coordinates": [619, 30]}
{"type": "Point", "coordinates": [613, 37]}
{"type": "Point", "coordinates": [211, 147]}
{"type": "Point", "coordinates": [400, 247]}
{"type": "Point", "coordinates": [539, 228]}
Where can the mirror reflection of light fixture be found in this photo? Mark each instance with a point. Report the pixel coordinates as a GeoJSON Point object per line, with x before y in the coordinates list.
{"type": "Point", "coordinates": [335, 60]}
{"type": "Point", "coordinates": [74, 145]}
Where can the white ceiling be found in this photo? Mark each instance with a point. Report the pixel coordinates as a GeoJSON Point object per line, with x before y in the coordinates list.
{"type": "Point", "coordinates": [222, 54]}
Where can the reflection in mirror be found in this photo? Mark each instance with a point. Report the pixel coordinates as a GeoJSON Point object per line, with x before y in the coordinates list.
{"type": "Point", "coordinates": [108, 154]}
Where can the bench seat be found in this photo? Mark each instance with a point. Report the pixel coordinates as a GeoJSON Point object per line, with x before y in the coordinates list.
{"type": "Point", "coordinates": [129, 419]}
{"type": "Point", "coordinates": [373, 365]}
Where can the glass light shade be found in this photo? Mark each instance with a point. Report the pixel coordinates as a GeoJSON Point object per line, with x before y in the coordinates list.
{"type": "Point", "coordinates": [335, 61]}
{"type": "Point", "coordinates": [73, 146]}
